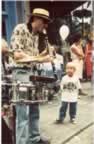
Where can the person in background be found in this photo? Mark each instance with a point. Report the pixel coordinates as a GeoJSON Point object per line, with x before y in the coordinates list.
{"type": "Point", "coordinates": [92, 72]}
{"type": "Point", "coordinates": [87, 61]}
{"type": "Point", "coordinates": [70, 85]}
{"type": "Point", "coordinates": [77, 57]}
{"type": "Point", "coordinates": [4, 53]}
{"type": "Point", "coordinates": [4, 70]}
{"type": "Point", "coordinates": [5, 127]}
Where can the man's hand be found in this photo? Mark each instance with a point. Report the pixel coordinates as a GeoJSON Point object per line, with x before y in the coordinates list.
{"type": "Point", "coordinates": [18, 55]}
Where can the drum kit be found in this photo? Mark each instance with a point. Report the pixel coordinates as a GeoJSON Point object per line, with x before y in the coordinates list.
{"type": "Point", "coordinates": [28, 84]}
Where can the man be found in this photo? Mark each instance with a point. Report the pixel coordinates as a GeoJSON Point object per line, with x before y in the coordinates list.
{"type": "Point", "coordinates": [27, 42]}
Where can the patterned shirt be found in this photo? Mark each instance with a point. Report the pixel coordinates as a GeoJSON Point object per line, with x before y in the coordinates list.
{"type": "Point", "coordinates": [28, 42]}
{"type": "Point", "coordinates": [23, 40]}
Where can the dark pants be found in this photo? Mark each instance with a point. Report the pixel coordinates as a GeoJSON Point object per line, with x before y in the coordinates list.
{"type": "Point", "coordinates": [6, 133]}
{"type": "Point", "coordinates": [72, 110]}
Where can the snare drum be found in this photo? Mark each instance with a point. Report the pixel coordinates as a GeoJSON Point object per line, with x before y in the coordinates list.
{"type": "Point", "coordinates": [26, 91]}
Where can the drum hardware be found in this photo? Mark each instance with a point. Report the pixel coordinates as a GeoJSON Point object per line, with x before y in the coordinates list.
{"type": "Point", "coordinates": [54, 71]}
{"type": "Point", "coordinates": [43, 79]}
{"type": "Point", "coordinates": [20, 88]}
{"type": "Point", "coordinates": [7, 76]}
{"type": "Point", "coordinates": [37, 91]}
{"type": "Point", "coordinates": [37, 86]}
{"type": "Point", "coordinates": [32, 91]}
{"type": "Point", "coordinates": [27, 102]}
{"type": "Point", "coordinates": [31, 98]}
{"type": "Point", "coordinates": [37, 69]}
{"type": "Point", "coordinates": [6, 88]}
{"type": "Point", "coordinates": [52, 54]}
{"type": "Point", "coordinates": [40, 70]}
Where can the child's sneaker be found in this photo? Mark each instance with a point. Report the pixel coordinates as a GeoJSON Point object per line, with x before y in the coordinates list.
{"type": "Point", "coordinates": [73, 121]}
{"type": "Point", "coordinates": [59, 121]}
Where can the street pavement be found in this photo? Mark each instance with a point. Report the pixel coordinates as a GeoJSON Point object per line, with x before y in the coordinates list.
{"type": "Point", "coordinates": [68, 133]}
{"type": "Point", "coordinates": [83, 138]}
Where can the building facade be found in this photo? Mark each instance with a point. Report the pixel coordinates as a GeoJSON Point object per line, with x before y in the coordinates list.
{"type": "Point", "coordinates": [13, 12]}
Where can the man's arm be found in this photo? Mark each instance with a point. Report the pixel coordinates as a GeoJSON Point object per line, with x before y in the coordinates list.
{"type": "Point", "coordinates": [17, 43]}
{"type": "Point", "coordinates": [18, 55]}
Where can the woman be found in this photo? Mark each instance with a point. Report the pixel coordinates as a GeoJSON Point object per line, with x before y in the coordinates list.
{"type": "Point", "coordinates": [77, 57]}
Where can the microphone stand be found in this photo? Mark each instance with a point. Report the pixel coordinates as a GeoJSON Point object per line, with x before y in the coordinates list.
{"type": "Point", "coordinates": [51, 54]}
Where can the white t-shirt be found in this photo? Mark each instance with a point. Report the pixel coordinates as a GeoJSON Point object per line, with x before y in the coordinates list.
{"type": "Point", "coordinates": [69, 88]}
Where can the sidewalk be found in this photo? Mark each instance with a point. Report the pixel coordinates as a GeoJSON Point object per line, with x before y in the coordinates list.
{"type": "Point", "coordinates": [60, 133]}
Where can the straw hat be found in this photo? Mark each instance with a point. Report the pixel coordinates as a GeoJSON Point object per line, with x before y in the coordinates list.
{"type": "Point", "coordinates": [42, 13]}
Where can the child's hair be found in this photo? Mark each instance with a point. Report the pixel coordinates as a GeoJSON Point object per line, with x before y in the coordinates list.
{"type": "Point", "coordinates": [71, 64]}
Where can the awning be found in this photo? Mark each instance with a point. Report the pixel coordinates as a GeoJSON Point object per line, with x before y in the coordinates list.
{"type": "Point", "coordinates": [58, 11]}
{"type": "Point", "coordinates": [56, 8]}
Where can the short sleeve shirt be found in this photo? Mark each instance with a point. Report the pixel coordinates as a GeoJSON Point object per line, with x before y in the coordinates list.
{"type": "Point", "coordinates": [23, 40]}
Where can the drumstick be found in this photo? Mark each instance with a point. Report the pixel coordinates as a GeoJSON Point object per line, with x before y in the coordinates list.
{"type": "Point", "coordinates": [26, 60]}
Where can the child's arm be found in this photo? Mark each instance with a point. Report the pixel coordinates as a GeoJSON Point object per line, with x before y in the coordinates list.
{"type": "Point", "coordinates": [61, 86]}
{"type": "Point", "coordinates": [79, 84]}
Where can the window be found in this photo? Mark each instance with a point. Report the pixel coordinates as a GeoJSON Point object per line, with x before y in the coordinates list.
{"type": "Point", "coordinates": [4, 29]}
{"type": "Point", "coordinates": [3, 6]}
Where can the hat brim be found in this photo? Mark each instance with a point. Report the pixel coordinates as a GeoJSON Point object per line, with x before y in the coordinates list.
{"type": "Point", "coordinates": [41, 16]}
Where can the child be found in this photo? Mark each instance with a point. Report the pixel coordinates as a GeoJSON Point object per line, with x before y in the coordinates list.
{"type": "Point", "coordinates": [70, 85]}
